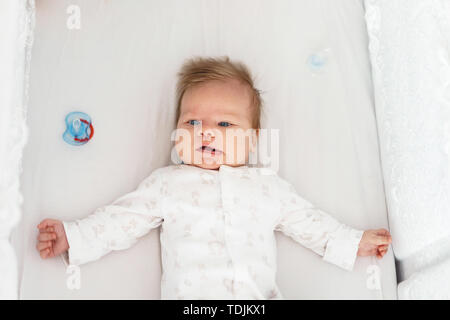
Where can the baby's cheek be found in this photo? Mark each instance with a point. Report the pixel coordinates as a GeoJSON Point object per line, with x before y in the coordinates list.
{"type": "Point", "coordinates": [237, 150]}
{"type": "Point", "coordinates": [184, 144]}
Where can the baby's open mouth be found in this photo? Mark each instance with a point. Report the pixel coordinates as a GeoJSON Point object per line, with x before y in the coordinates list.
{"type": "Point", "coordinates": [212, 151]}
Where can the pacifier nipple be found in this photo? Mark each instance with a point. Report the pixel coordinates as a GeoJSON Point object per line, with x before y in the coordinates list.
{"type": "Point", "coordinates": [76, 124]}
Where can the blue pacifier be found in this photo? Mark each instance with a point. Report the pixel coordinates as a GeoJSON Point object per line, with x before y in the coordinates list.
{"type": "Point", "coordinates": [317, 61]}
{"type": "Point", "coordinates": [79, 129]}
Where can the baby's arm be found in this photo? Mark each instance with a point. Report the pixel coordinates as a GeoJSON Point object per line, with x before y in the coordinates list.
{"type": "Point", "coordinates": [112, 227]}
{"type": "Point", "coordinates": [315, 229]}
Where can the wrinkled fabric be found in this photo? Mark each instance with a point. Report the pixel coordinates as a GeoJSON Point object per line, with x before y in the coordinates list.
{"type": "Point", "coordinates": [410, 56]}
{"type": "Point", "coordinates": [217, 230]}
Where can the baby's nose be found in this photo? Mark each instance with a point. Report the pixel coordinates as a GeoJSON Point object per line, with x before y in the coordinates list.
{"type": "Point", "coordinates": [207, 134]}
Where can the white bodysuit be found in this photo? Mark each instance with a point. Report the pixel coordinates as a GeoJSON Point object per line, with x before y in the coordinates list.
{"type": "Point", "coordinates": [217, 230]}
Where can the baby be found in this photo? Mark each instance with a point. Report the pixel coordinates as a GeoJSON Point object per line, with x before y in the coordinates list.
{"type": "Point", "coordinates": [217, 214]}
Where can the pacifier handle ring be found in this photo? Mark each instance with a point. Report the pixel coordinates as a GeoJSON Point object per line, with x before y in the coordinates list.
{"type": "Point", "coordinates": [90, 135]}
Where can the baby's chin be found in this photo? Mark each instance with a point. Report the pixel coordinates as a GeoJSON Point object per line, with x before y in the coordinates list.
{"type": "Point", "coordinates": [211, 162]}
{"type": "Point", "coordinates": [214, 166]}
{"type": "Point", "coordinates": [211, 165]}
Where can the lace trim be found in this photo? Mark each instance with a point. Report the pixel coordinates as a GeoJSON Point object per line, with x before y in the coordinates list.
{"type": "Point", "coordinates": [414, 142]}
{"type": "Point", "coordinates": [15, 140]}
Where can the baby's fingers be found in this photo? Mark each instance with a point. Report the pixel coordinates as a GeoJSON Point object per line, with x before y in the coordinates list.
{"type": "Point", "coordinates": [45, 253]}
{"type": "Point", "coordinates": [43, 245]}
{"type": "Point", "coordinates": [47, 223]}
{"type": "Point", "coordinates": [381, 252]}
{"type": "Point", "coordinates": [380, 239]}
{"type": "Point", "coordinates": [46, 236]}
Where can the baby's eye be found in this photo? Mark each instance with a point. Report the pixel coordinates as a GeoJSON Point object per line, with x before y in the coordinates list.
{"type": "Point", "coordinates": [194, 122]}
{"type": "Point", "coordinates": [224, 124]}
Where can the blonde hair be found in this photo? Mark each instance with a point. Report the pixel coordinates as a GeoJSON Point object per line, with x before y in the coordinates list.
{"type": "Point", "coordinates": [199, 70]}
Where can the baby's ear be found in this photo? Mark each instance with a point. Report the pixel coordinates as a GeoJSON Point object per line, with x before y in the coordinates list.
{"type": "Point", "coordinates": [254, 142]}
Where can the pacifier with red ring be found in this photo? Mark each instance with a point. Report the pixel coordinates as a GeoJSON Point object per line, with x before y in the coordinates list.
{"type": "Point", "coordinates": [79, 129]}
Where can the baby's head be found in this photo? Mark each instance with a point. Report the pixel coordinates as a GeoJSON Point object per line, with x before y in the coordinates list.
{"type": "Point", "coordinates": [218, 113]}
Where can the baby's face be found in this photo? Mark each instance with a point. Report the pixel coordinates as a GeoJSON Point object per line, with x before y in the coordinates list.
{"type": "Point", "coordinates": [215, 125]}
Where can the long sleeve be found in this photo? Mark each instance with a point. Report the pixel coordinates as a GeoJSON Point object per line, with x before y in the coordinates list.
{"type": "Point", "coordinates": [116, 226]}
{"type": "Point", "coordinates": [317, 230]}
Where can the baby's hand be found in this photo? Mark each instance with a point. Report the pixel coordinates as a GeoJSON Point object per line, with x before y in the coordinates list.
{"type": "Point", "coordinates": [374, 242]}
{"type": "Point", "coordinates": [52, 240]}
